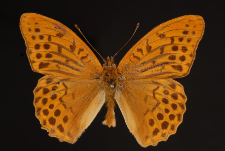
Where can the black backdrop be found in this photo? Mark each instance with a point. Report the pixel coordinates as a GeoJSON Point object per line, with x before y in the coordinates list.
{"type": "Point", "coordinates": [108, 25]}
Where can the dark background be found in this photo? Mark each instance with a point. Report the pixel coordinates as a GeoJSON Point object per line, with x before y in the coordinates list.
{"type": "Point", "coordinates": [108, 25]}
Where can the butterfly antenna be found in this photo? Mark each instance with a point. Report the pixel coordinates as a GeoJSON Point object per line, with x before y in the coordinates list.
{"type": "Point", "coordinates": [128, 40]}
{"type": "Point", "coordinates": [88, 41]}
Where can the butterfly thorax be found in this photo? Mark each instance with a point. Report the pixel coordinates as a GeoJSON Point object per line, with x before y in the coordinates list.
{"type": "Point", "coordinates": [110, 80]}
{"type": "Point", "coordinates": [109, 73]}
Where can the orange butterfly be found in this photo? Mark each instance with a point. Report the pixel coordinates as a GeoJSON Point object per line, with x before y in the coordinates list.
{"type": "Point", "coordinates": [76, 86]}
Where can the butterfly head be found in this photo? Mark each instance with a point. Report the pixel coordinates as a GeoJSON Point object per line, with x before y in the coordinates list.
{"type": "Point", "coordinates": [109, 63]}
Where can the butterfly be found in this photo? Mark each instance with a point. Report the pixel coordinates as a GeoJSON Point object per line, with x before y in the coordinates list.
{"type": "Point", "coordinates": [75, 85]}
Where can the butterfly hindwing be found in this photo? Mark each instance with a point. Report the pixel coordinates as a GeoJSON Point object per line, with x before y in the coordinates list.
{"type": "Point", "coordinates": [152, 109]}
{"type": "Point", "coordinates": [66, 107]}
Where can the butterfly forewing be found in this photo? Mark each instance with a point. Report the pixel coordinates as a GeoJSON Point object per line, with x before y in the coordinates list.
{"type": "Point", "coordinates": [53, 48]}
{"type": "Point", "coordinates": [166, 51]}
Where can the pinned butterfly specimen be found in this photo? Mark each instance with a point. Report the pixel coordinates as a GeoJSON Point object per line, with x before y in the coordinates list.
{"type": "Point", "coordinates": [75, 85]}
